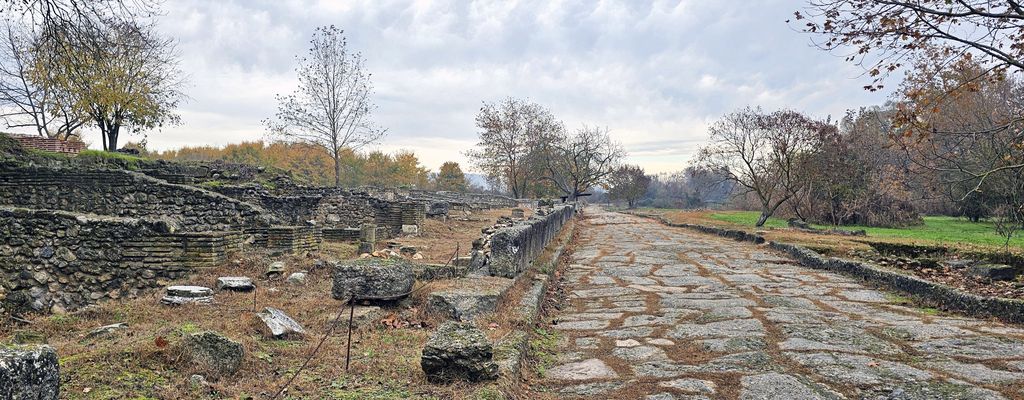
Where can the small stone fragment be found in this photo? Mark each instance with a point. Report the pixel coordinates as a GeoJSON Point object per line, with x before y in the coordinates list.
{"type": "Point", "coordinates": [105, 330]}
{"type": "Point", "coordinates": [276, 268]}
{"type": "Point", "coordinates": [235, 283]}
{"type": "Point", "coordinates": [298, 278]}
{"type": "Point", "coordinates": [279, 324]}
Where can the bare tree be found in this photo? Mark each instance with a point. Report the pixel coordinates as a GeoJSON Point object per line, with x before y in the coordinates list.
{"type": "Point", "coordinates": [581, 161]}
{"type": "Point", "coordinates": [25, 98]}
{"type": "Point", "coordinates": [512, 135]}
{"type": "Point", "coordinates": [761, 153]}
{"type": "Point", "coordinates": [629, 183]}
{"type": "Point", "coordinates": [331, 108]}
{"type": "Point", "coordinates": [886, 35]}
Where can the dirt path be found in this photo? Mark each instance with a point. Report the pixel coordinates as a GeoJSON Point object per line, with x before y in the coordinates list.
{"type": "Point", "coordinates": [664, 313]}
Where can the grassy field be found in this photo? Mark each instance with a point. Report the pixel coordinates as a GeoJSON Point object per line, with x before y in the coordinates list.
{"type": "Point", "coordinates": [945, 230]}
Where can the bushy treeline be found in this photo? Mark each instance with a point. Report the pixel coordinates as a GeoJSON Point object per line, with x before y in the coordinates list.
{"type": "Point", "coordinates": [950, 142]}
{"type": "Point", "coordinates": [314, 165]}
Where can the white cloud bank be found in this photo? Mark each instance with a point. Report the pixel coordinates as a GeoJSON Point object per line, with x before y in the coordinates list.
{"type": "Point", "coordinates": [654, 72]}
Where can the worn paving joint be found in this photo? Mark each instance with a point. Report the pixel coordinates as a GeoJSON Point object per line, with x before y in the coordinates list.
{"type": "Point", "coordinates": [945, 297]}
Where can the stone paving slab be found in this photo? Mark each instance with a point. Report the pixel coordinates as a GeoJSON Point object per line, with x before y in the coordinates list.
{"type": "Point", "coordinates": [655, 312]}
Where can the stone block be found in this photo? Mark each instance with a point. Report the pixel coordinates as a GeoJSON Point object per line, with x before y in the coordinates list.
{"type": "Point", "coordinates": [178, 295]}
{"type": "Point", "coordinates": [373, 279]}
{"type": "Point", "coordinates": [298, 278]}
{"type": "Point", "coordinates": [29, 373]}
{"type": "Point", "coordinates": [235, 283]}
{"type": "Point", "coordinates": [213, 354]}
{"type": "Point", "coordinates": [278, 324]}
{"type": "Point", "coordinates": [469, 298]}
{"type": "Point", "coordinates": [458, 352]}
{"type": "Point", "coordinates": [996, 272]}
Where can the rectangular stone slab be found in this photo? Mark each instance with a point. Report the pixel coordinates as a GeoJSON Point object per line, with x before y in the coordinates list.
{"type": "Point", "coordinates": [469, 298]}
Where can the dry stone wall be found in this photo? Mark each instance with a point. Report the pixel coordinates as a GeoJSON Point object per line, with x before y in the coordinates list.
{"type": "Point", "coordinates": [332, 208]}
{"type": "Point", "coordinates": [125, 194]}
{"type": "Point", "coordinates": [514, 248]}
{"type": "Point", "coordinates": [57, 260]}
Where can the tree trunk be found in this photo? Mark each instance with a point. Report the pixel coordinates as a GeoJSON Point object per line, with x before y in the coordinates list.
{"type": "Point", "coordinates": [763, 218]}
{"type": "Point", "coordinates": [337, 169]}
{"type": "Point", "coordinates": [113, 129]}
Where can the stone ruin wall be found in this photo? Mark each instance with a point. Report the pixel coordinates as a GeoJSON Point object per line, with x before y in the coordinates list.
{"type": "Point", "coordinates": [334, 209]}
{"type": "Point", "coordinates": [125, 194]}
{"type": "Point", "coordinates": [57, 260]}
{"type": "Point", "coordinates": [466, 201]}
{"type": "Point", "coordinates": [75, 236]}
{"type": "Point", "coordinates": [513, 249]}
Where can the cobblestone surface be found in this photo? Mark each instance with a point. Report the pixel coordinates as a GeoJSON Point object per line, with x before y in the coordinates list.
{"type": "Point", "coordinates": [662, 313]}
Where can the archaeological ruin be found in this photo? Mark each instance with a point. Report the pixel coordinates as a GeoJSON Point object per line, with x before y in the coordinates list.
{"type": "Point", "coordinates": [131, 277]}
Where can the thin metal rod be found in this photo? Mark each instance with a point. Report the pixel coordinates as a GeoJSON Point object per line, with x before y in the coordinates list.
{"type": "Point", "coordinates": [351, 317]}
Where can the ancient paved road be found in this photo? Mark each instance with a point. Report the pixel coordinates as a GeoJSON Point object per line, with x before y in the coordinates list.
{"type": "Point", "coordinates": [664, 313]}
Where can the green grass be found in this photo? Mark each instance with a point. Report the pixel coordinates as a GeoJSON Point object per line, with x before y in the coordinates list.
{"type": "Point", "coordinates": [543, 347]}
{"type": "Point", "coordinates": [110, 157]}
{"type": "Point", "coordinates": [938, 229]}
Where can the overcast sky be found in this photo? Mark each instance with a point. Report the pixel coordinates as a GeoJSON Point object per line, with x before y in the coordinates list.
{"type": "Point", "coordinates": [655, 73]}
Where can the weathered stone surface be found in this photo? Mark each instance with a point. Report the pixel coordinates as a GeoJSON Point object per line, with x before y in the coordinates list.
{"type": "Point", "coordinates": [213, 354]}
{"type": "Point", "coordinates": [106, 330]}
{"type": "Point", "coordinates": [373, 279]}
{"type": "Point", "coordinates": [276, 268]}
{"type": "Point", "coordinates": [692, 386]}
{"type": "Point", "coordinates": [297, 278]}
{"type": "Point", "coordinates": [278, 324]}
{"type": "Point", "coordinates": [29, 373]}
{"type": "Point", "coordinates": [996, 272]}
{"type": "Point", "coordinates": [685, 310]}
{"type": "Point", "coordinates": [438, 208]}
{"type": "Point", "coordinates": [235, 283]}
{"type": "Point", "coordinates": [458, 351]}
{"type": "Point", "coordinates": [587, 369]}
{"type": "Point", "coordinates": [178, 295]}
{"type": "Point", "coordinates": [469, 298]}
{"type": "Point", "coordinates": [780, 386]}
{"type": "Point", "coordinates": [189, 291]}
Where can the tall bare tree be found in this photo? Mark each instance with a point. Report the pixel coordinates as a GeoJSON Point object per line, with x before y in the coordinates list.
{"type": "Point", "coordinates": [579, 162]}
{"type": "Point", "coordinates": [512, 133]}
{"type": "Point", "coordinates": [331, 108]}
{"type": "Point", "coordinates": [762, 152]}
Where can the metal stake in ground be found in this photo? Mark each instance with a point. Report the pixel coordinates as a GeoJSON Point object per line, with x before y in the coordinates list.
{"type": "Point", "coordinates": [351, 316]}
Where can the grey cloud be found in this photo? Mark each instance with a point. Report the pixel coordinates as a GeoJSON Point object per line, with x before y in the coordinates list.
{"type": "Point", "coordinates": [654, 72]}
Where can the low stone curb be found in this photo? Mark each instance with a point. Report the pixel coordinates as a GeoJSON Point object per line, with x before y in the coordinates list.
{"type": "Point", "coordinates": [943, 296]}
{"type": "Point", "coordinates": [734, 234]}
{"type": "Point", "coordinates": [511, 350]}
{"type": "Point", "coordinates": [931, 293]}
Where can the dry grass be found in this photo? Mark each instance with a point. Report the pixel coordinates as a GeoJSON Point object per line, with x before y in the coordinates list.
{"type": "Point", "coordinates": [439, 238]}
{"type": "Point", "coordinates": [144, 361]}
